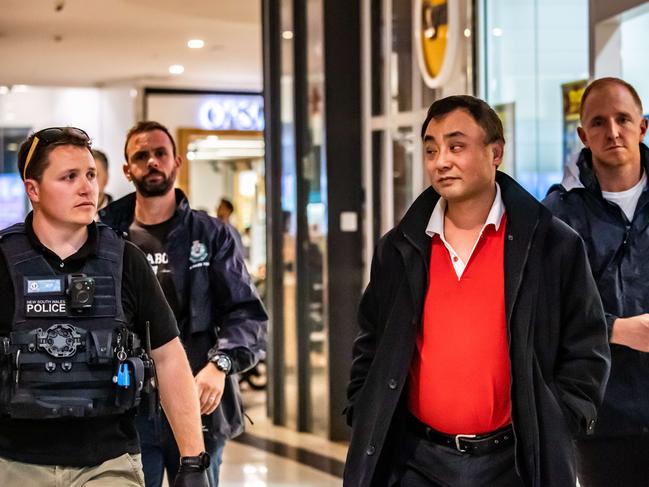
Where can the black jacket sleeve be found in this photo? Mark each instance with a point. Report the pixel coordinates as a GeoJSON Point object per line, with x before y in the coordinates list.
{"type": "Point", "coordinates": [584, 359]}
{"type": "Point", "coordinates": [367, 341]}
{"type": "Point", "coordinates": [242, 322]}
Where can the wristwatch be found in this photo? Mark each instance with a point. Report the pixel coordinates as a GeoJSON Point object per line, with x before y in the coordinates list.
{"type": "Point", "coordinates": [201, 461]}
{"type": "Point", "coordinates": [222, 362]}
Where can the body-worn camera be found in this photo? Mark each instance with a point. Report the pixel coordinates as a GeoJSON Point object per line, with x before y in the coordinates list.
{"type": "Point", "coordinates": [81, 290]}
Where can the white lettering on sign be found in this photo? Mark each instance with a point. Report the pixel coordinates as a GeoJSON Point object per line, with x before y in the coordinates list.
{"type": "Point", "coordinates": [234, 112]}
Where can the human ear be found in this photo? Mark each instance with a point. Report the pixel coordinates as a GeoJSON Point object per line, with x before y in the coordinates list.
{"type": "Point", "coordinates": [32, 189]}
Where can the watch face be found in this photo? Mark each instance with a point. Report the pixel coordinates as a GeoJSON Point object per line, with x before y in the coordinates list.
{"type": "Point", "coordinates": [223, 364]}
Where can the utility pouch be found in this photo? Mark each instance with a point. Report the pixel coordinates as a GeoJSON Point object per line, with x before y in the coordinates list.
{"type": "Point", "coordinates": [129, 380]}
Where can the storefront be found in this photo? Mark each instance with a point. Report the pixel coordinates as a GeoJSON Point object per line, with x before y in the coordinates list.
{"type": "Point", "coordinates": [314, 198]}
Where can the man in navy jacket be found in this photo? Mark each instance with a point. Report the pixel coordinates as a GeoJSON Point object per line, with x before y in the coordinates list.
{"type": "Point", "coordinates": [604, 198]}
{"type": "Point", "coordinates": [201, 270]}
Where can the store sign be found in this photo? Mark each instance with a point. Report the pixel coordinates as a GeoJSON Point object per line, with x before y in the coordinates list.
{"type": "Point", "coordinates": [232, 112]}
{"type": "Point", "coordinates": [437, 27]}
{"type": "Point", "coordinates": [571, 94]}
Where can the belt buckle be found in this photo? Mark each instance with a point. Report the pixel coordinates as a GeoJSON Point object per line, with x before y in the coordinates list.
{"type": "Point", "coordinates": [457, 442]}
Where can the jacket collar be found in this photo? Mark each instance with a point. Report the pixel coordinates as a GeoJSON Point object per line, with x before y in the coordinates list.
{"type": "Point", "coordinates": [414, 222]}
{"type": "Point", "coordinates": [519, 205]}
{"type": "Point", "coordinates": [579, 173]}
{"type": "Point", "coordinates": [523, 214]}
{"type": "Point", "coordinates": [120, 213]}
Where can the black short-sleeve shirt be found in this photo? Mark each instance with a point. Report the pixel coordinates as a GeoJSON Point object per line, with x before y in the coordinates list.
{"type": "Point", "coordinates": [87, 441]}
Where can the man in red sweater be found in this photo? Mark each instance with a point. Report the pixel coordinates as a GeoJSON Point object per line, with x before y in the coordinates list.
{"type": "Point", "coordinates": [482, 348]}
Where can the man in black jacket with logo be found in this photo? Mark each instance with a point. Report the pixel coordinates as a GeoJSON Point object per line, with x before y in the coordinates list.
{"type": "Point", "coordinates": [201, 270]}
{"type": "Point", "coordinates": [604, 198]}
{"type": "Point", "coordinates": [80, 310]}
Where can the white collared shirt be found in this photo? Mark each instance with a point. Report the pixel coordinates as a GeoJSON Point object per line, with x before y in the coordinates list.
{"type": "Point", "coordinates": [436, 226]}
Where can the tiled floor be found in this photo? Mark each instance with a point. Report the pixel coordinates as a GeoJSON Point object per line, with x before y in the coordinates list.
{"type": "Point", "coordinates": [251, 466]}
{"type": "Point", "coordinates": [246, 466]}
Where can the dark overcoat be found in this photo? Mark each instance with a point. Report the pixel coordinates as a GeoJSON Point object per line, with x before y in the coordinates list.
{"type": "Point", "coordinates": [558, 344]}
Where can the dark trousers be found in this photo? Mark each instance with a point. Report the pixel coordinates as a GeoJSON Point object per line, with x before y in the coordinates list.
{"type": "Point", "coordinates": [160, 452]}
{"type": "Point", "coordinates": [427, 464]}
{"type": "Point", "coordinates": [611, 462]}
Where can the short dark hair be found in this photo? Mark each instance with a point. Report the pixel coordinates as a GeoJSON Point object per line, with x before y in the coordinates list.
{"type": "Point", "coordinates": [147, 126]}
{"type": "Point", "coordinates": [482, 113]}
{"type": "Point", "coordinates": [35, 150]}
{"type": "Point", "coordinates": [228, 204]}
{"type": "Point", "coordinates": [609, 80]}
{"type": "Point", "coordinates": [101, 157]}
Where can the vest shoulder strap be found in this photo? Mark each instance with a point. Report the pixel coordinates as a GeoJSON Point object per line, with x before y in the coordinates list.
{"type": "Point", "coordinates": [15, 245]}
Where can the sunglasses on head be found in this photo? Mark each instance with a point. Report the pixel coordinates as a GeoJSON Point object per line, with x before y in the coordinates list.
{"type": "Point", "coordinates": [49, 136]}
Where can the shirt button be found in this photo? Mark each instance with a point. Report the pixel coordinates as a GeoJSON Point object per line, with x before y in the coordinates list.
{"type": "Point", "coordinates": [370, 450]}
{"type": "Point", "coordinates": [392, 384]}
{"type": "Point", "coordinates": [455, 259]}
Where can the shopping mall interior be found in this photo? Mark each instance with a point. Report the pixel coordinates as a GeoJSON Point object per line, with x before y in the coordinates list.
{"type": "Point", "coordinates": [306, 115]}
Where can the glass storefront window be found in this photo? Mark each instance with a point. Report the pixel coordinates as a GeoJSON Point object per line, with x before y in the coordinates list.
{"type": "Point", "coordinates": [403, 146]}
{"type": "Point", "coordinates": [402, 56]}
{"type": "Point", "coordinates": [531, 48]}
{"type": "Point", "coordinates": [315, 247]}
{"type": "Point", "coordinates": [289, 223]}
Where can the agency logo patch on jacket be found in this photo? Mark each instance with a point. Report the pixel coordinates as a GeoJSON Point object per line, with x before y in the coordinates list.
{"type": "Point", "coordinates": [198, 254]}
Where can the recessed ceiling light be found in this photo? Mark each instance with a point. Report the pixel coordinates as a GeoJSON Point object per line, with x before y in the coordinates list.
{"type": "Point", "coordinates": [287, 34]}
{"type": "Point", "coordinates": [196, 43]}
{"type": "Point", "coordinates": [467, 32]}
{"type": "Point", "coordinates": [497, 32]}
{"type": "Point", "coordinates": [176, 69]}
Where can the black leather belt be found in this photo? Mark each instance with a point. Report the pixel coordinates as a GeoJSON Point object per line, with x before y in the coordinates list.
{"type": "Point", "coordinates": [471, 444]}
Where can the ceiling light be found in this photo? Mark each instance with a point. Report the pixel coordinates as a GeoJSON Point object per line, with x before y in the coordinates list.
{"type": "Point", "coordinates": [19, 88]}
{"type": "Point", "coordinates": [287, 34]}
{"type": "Point", "coordinates": [196, 43]}
{"type": "Point", "coordinates": [467, 32]}
{"type": "Point", "coordinates": [176, 69]}
{"type": "Point", "coordinates": [497, 32]}
{"type": "Point", "coordinates": [4, 90]}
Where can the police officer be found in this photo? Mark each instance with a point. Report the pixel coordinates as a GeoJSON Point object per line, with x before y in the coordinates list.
{"type": "Point", "coordinates": [82, 317]}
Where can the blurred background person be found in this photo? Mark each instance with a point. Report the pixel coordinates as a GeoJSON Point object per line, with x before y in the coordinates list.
{"type": "Point", "coordinates": [224, 212]}
{"type": "Point", "coordinates": [101, 162]}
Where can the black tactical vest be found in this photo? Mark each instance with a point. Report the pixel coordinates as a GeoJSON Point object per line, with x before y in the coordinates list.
{"type": "Point", "coordinates": [70, 353]}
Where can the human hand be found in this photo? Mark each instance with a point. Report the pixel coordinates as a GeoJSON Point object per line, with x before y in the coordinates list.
{"type": "Point", "coordinates": [632, 332]}
{"type": "Point", "coordinates": [210, 383]}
